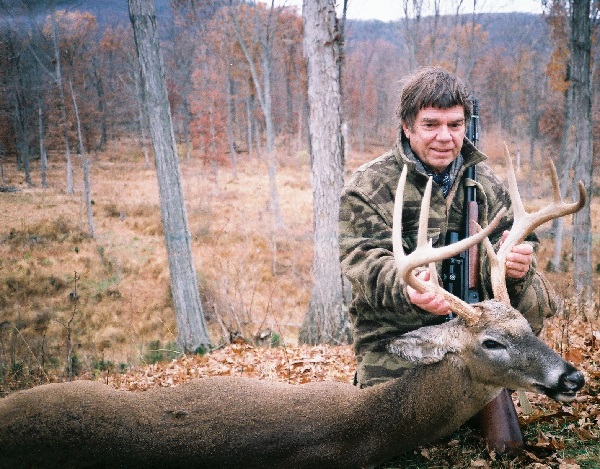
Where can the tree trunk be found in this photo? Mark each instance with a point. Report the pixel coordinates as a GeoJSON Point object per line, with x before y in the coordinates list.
{"type": "Point", "coordinates": [564, 166]}
{"type": "Point", "coordinates": [229, 92]}
{"type": "Point", "coordinates": [43, 154]}
{"type": "Point", "coordinates": [22, 133]}
{"type": "Point", "coordinates": [250, 123]}
{"type": "Point", "coordinates": [2, 180]}
{"type": "Point", "coordinates": [86, 162]}
{"type": "Point", "coordinates": [326, 319]}
{"type": "Point", "coordinates": [412, 30]}
{"type": "Point", "coordinates": [101, 106]}
{"type": "Point", "coordinates": [263, 91]}
{"type": "Point", "coordinates": [581, 40]}
{"type": "Point", "coordinates": [21, 111]}
{"type": "Point", "coordinates": [187, 134]}
{"type": "Point", "coordinates": [62, 105]}
{"type": "Point", "coordinates": [192, 331]}
{"type": "Point", "coordinates": [142, 119]}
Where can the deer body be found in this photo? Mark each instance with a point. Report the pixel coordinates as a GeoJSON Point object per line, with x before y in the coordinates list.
{"type": "Point", "coordinates": [240, 422]}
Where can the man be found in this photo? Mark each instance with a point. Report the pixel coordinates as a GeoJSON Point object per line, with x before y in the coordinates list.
{"type": "Point", "coordinates": [434, 110]}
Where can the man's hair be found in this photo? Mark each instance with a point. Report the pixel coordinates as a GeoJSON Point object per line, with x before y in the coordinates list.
{"type": "Point", "coordinates": [432, 87]}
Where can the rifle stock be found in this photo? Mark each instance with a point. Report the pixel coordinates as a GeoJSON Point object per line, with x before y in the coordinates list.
{"type": "Point", "coordinates": [500, 425]}
{"type": "Point", "coordinates": [473, 217]}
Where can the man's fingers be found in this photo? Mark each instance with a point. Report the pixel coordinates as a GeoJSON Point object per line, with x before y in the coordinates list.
{"type": "Point", "coordinates": [437, 304]}
{"type": "Point", "coordinates": [419, 298]}
{"type": "Point", "coordinates": [440, 306]}
{"type": "Point", "coordinates": [517, 258]}
{"type": "Point", "coordinates": [516, 268]}
{"type": "Point", "coordinates": [523, 248]}
{"type": "Point", "coordinates": [429, 301]}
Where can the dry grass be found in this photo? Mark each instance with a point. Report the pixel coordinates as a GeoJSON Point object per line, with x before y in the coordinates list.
{"type": "Point", "coordinates": [251, 276]}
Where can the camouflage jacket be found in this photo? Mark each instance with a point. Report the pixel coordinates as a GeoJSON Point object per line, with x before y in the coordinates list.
{"type": "Point", "coordinates": [380, 308]}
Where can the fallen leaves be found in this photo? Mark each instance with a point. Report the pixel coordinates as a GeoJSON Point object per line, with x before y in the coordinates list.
{"type": "Point", "coordinates": [290, 364]}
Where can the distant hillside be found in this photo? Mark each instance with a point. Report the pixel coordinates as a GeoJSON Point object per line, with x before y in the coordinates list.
{"type": "Point", "coordinates": [506, 31]}
{"type": "Point", "coordinates": [510, 30]}
{"type": "Point", "coordinates": [106, 11]}
{"type": "Point", "coordinates": [117, 11]}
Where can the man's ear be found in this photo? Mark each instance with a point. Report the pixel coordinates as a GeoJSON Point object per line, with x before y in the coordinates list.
{"type": "Point", "coordinates": [426, 345]}
{"type": "Point", "coordinates": [406, 130]}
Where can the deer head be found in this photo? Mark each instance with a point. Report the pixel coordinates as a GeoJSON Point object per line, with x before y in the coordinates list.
{"type": "Point", "coordinates": [497, 342]}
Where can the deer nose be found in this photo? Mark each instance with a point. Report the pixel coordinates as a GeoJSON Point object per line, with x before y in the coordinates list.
{"type": "Point", "coordinates": [572, 381]}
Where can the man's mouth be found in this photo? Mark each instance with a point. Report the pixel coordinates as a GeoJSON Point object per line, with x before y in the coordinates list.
{"type": "Point", "coordinates": [441, 151]}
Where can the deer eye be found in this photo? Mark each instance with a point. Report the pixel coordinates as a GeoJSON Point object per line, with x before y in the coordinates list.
{"type": "Point", "coordinates": [493, 345]}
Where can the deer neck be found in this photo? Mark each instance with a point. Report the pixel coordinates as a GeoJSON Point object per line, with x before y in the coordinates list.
{"type": "Point", "coordinates": [425, 404]}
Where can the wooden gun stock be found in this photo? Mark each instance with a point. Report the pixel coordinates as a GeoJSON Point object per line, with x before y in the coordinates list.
{"type": "Point", "coordinates": [473, 250]}
{"type": "Point", "coordinates": [500, 425]}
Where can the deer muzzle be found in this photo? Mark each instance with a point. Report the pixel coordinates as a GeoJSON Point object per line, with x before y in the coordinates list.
{"type": "Point", "coordinates": [568, 384]}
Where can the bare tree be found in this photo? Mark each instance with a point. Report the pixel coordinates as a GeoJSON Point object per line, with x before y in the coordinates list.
{"type": "Point", "coordinates": [412, 29]}
{"type": "Point", "coordinates": [43, 154]}
{"type": "Point", "coordinates": [58, 79]}
{"type": "Point", "coordinates": [581, 44]}
{"type": "Point", "coordinates": [265, 35]}
{"type": "Point", "coordinates": [326, 318]}
{"type": "Point", "coordinates": [192, 331]}
{"type": "Point", "coordinates": [565, 161]}
{"type": "Point", "coordinates": [33, 7]}
{"type": "Point", "coordinates": [86, 163]}
{"type": "Point", "coordinates": [142, 118]}
{"type": "Point", "coordinates": [21, 106]}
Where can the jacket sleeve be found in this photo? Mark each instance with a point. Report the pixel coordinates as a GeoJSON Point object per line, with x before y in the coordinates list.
{"type": "Point", "coordinates": [366, 253]}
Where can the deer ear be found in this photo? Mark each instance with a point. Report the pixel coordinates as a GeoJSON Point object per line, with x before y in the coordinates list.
{"type": "Point", "coordinates": [426, 345]}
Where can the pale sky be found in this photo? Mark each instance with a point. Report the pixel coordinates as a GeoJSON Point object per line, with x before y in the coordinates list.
{"type": "Point", "coordinates": [391, 10]}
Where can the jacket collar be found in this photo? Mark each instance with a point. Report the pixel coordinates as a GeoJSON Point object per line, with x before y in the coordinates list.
{"type": "Point", "coordinates": [471, 155]}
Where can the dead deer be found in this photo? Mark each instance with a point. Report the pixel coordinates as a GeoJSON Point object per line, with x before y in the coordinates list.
{"type": "Point", "coordinates": [237, 422]}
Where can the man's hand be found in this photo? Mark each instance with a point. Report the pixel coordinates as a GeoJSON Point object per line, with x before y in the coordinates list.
{"type": "Point", "coordinates": [430, 302]}
{"type": "Point", "coordinates": [519, 259]}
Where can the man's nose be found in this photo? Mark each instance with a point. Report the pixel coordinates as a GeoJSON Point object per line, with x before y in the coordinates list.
{"type": "Point", "coordinates": [444, 133]}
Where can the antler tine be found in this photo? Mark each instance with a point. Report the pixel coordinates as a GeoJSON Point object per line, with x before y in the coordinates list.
{"type": "Point", "coordinates": [524, 223]}
{"type": "Point", "coordinates": [425, 254]}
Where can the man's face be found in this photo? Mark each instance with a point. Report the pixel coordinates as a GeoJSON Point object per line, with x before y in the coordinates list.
{"type": "Point", "coordinates": [437, 135]}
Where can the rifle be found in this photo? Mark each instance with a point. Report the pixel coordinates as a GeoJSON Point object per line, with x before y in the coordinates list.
{"type": "Point", "coordinates": [498, 419]}
{"type": "Point", "coordinates": [460, 273]}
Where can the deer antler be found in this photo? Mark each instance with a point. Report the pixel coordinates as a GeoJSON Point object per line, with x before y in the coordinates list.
{"type": "Point", "coordinates": [425, 254]}
{"type": "Point", "coordinates": [524, 223]}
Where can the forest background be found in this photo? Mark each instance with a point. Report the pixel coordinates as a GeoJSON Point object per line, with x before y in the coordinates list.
{"type": "Point", "coordinates": [84, 278]}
